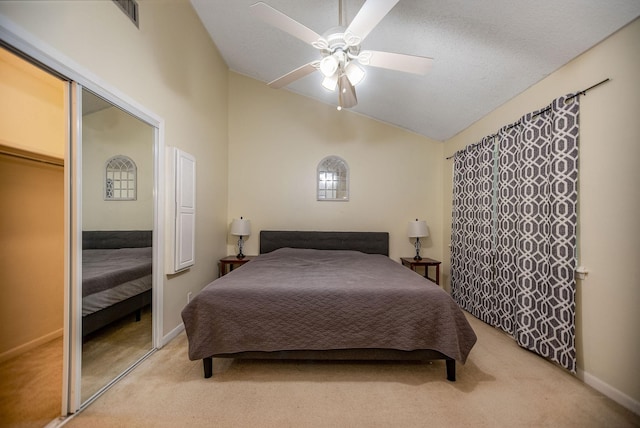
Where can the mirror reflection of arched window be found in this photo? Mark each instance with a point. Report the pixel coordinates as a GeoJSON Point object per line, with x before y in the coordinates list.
{"type": "Point", "coordinates": [333, 179]}
{"type": "Point", "coordinates": [120, 179]}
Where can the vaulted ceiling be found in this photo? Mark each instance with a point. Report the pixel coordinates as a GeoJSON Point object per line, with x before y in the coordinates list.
{"type": "Point", "coordinates": [484, 52]}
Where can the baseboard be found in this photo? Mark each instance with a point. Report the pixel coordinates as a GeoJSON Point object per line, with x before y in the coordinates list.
{"type": "Point", "coordinates": [611, 392]}
{"type": "Point", "coordinates": [18, 350]}
{"type": "Point", "coordinates": [172, 334]}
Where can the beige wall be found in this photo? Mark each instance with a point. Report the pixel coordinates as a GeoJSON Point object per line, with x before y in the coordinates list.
{"type": "Point", "coordinates": [277, 139]}
{"type": "Point", "coordinates": [105, 134]}
{"type": "Point", "coordinates": [25, 87]}
{"type": "Point", "coordinates": [172, 68]}
{"type": "Point", "coordinates": [608, 299]}
{"type": "Point", "coordinates": [31, 253]}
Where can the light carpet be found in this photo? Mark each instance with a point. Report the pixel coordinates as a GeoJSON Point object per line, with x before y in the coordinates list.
{"type": "Point", "coordinates": [31, 383]}
{"type": "Point", "coordinates": [502, 385]}
{"type": "Point", "coordinates": [31, 387]}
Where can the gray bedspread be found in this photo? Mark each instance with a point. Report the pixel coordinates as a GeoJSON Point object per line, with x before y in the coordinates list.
{"type": "Point", "coordinates": [301, 299]}
{"type": "Point", "coordinates": [104, 269]}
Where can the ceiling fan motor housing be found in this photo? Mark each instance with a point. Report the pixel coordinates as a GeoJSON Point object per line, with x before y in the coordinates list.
{"type": "Point", "coordinates": [336, 39]}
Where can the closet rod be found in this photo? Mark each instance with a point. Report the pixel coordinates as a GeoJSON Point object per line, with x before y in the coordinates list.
{"type": "Point", "coordinates": [35, 158]}
{"type": "Point", "coordinates": [582, 92]}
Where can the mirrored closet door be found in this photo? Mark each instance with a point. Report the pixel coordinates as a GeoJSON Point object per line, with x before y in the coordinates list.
{"type": "Point", "coordinates": [117, 220]}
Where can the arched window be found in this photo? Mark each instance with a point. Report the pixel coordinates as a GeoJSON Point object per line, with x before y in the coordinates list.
{"type": "Point", "coordinates": [120, 179]}
{"type": "Point", "coordinates": [333, 179]}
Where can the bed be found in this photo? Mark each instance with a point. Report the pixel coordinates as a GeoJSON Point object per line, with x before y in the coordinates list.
{"type": "Point", "coordinates": [116, 276]}
{"type": "Point", "coordinates": [326, 295]}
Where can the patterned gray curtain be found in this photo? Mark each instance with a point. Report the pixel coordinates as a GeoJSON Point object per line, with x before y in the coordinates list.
{"type": "Point", "coordinates": [534, 246]}
{"type": "Point", "coordinates": [472, 230]}
{"type": "Point", "coordinates": [536, 235]}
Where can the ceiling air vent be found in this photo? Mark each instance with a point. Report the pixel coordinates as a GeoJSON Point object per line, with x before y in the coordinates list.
{"type": "Point", "coordinates": [130, 8]}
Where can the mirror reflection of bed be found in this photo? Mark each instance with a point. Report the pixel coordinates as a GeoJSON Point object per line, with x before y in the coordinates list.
{"type": "Point", "coordinates": [117, 230]}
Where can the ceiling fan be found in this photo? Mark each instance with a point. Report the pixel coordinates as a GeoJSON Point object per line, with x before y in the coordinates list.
{"type": "Point", "coordinates": [340, 49]}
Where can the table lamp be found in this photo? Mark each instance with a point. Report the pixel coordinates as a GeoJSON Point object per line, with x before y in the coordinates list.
{"type": "Point", "coordinates": [417, 229]}
{"type": "Point", "coordinates": [240, 227]}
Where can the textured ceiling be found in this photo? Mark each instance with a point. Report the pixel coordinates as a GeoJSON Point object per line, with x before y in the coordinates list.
{"type": "Point", "coordinates": [485, 51]}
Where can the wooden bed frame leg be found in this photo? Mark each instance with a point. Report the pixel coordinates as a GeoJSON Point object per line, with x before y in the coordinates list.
{"type": "Point", "coordinates": [451, 369]}
{"type": "Point", "coordinates": [208, 367]}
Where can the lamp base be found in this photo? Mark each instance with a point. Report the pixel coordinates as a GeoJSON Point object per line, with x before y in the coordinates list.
{"type": "Point", "coordinates": [417, 256]}
{"type": "Point", "coordinates": [240, 256]}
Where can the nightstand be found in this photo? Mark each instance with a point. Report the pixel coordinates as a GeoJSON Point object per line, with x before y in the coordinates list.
{"type": "Point", "coordinates": [227, 264]}
{"type": "Point", "coordinates": [426, 262]}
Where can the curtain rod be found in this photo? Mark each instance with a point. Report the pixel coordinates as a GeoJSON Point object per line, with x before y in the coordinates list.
{"type": "Point", "coordinates": [582, 92]}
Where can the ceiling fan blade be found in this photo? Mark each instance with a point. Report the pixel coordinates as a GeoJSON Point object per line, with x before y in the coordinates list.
{"type": "Point", "coordinates": [294, 75]}
{"type": "Point", "coordinates": [347, 93]}
{"type": "Point", "coordinates": [395, 61]}
{"type": "Point", "coordinates": [369, 16]}
{"type": "Point", "coordinates": [279, 20]}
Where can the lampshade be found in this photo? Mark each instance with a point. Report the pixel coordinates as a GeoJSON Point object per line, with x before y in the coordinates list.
{"type": "Point", "coordinates": [417, 229]}
{"type": "Point", "coordinates": [354, 72]}
{"type": "Point", "coordinates": [330, 82]}
{"type": "Point", "coordinates": [329, 65]}
{"type": "Point", "coordinates": [241, 227]}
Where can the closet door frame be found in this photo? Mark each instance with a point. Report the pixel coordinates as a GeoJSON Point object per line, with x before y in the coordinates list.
{"type": "Point", "coordinates": [35, 50]}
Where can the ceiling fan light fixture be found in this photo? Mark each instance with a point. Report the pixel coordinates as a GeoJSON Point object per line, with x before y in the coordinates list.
{"type": "Point", "coordinates": [330, 82]}
{"type": "Point", "coordinates": [354, 72]}
{"type": "Point", "coordinates": [329, 65]}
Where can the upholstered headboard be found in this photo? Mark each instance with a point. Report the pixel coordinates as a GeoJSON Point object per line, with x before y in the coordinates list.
{"type": "Point", "coordinates": [110, 239]}
{"type": "Point", "coordinates": [366, 242]}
